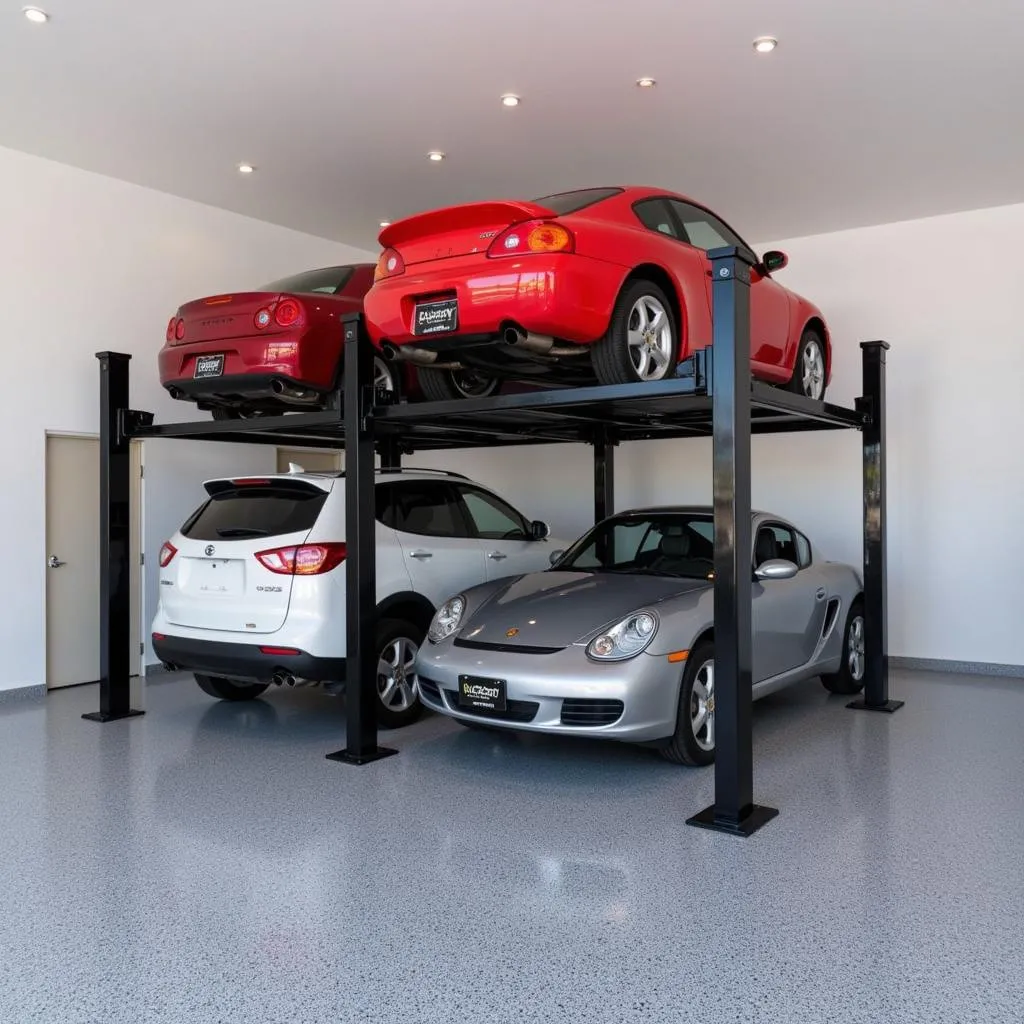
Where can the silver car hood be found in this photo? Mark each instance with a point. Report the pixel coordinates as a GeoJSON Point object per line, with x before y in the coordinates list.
{"type": "Point", "coordinates": [555, 609]}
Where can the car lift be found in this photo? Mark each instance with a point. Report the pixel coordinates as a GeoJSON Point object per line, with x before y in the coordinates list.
{"type": "Point", "coordinates": [711, 394]}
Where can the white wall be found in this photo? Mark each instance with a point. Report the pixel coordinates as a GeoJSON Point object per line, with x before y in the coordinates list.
{"type": "Point", "coordinates": [89, 263]}
{"type": "Point", "coordinates": [945, 293]}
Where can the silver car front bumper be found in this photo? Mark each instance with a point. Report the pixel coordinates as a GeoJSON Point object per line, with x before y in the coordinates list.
{"type": "Point", "coordinates": [564, 693]}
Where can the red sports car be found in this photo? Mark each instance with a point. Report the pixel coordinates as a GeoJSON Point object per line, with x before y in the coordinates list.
{"type": "Point", "coordinates": [605, 284]}
{"type": "Point", "coordinates": [278, 348]}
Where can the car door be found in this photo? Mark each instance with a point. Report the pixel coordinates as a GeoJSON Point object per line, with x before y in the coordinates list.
{"type": "Point", "coordinates": [787, 614]}
{"type": "Point", "coordinates": [441, 555]}
{"type": "Point", "coordinates": [769, 301]}
{"type": "Point", "coordinates": [509, 549]}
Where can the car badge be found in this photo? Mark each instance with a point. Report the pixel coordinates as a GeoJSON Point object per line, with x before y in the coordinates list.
{"type": "Point", "coordinates": [514, 631]}
{"type": "Point", "coordinates": [209, 549]}
{"type": "Point", "coordinates": [262, 318]}
{"type": "Point", "coordinates": [488, 234]}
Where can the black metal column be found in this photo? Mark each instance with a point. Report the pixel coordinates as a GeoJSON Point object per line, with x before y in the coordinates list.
{"type": "Point", "coordinates": [361, 558]}
{"type": "Point", "coordinates": [390, 451]}
{"type": "Point", "coordinates": [604, 475]}
{"type": "Point", "coordinates": [115, 542]}
{"type": "Point", "coordinates": [734, 810]}
{"type": "Point", "coordinates": [876, 616]}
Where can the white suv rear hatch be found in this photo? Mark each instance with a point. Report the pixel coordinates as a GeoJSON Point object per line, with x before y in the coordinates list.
{"type": "Point", "coordinates": [223, 576]}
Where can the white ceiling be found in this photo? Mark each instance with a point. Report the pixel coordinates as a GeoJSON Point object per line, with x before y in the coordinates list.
{"type": "Point", "coordinates": [868, 111]}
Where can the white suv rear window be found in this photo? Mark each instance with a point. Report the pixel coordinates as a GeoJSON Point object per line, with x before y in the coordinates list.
{"type": "Point", "coordinates": [255, 511]}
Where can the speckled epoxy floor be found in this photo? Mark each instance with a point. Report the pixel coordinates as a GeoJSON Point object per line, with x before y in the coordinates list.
{"type": "Point", "coordinates": [205, 863]}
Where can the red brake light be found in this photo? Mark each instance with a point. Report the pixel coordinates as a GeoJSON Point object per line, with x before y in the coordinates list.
{"type": "Point", "coordinates": [532, 236]}
{"type": "Point", "coordinates": [287, 312]}
{"type": "Point", "coordinates": [170, 327]}
{"type": "Point", "coordinates": [390, 264]}
{"type": "Point", "coordinates": [179, 330]}
{"type": "Point", "coordinates": [303, 559]}
{"type": "Point", "coordinates": [250, 481]}
{"type": "Point", "coordinates": [159, 636]}
{"type": "Point", "coordinates": [279, 651]}
{"type": "Point", "coordinates": [167, 552]}
{"type": "Point", "coordinates": [262, 318]}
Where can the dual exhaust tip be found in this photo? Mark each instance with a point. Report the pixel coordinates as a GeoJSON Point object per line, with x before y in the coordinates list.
{"type": "Point", "coordinates": [511, 336]}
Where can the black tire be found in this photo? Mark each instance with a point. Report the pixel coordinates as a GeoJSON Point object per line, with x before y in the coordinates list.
{"type": "Point", "coordinates": [228, 689]}
{"type": "Point", "coordinates": [611, 358]}
{"type": "Point", "coordinates": [810, 339]}
{"type": "Point", "coordinates": [850, 677]}
{"type": "Point", "coordinates": [224, 413]}
{"type": "Point", "coordinates": [403, 707]}
{"type": "Point", "coordinates": [453, 385]}
{"type": "Point", "coordinates": [683, 747]}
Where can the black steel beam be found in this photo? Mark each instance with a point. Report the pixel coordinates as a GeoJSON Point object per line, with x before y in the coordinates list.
{"type": "Point", "coordinates": [115, 542]}
{"type": "Point", "coordinates": [876, 584]}
{"type": "Point", "coordinates": [734, 810]}
{"type": "Point", "coordinates": [604, 476]}
{"type": "Point", "coordinates": [361, 558]}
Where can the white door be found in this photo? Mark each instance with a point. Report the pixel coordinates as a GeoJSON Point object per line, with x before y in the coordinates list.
{"type": "Point", "coordinates": [440, 555]}
{"type": "Point", "coordinates": [505, 535]}
{"type": "Point", "coordinates": [72, 560]}
{"type": "Point", "coordinates": [311, 460]}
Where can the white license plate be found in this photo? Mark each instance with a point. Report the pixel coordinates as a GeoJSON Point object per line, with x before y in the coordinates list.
{"type": "Point", "coordinates": [215, 577]}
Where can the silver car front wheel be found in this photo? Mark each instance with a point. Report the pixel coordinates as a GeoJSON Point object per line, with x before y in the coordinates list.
{"type": "Point", "coordinates": [693, 742]}
{"type": "Point", "coordinates": [853, 664]}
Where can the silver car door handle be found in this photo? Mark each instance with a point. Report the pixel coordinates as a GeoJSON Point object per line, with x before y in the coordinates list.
{"type": "Point", "coordinates": [820, 595]}
{"type": "Point", "coordinates": [421, 554]}
{"type": "Point", "coordinates": [54, 562]}
{"type": "Point", "coordinates": [496, 555]}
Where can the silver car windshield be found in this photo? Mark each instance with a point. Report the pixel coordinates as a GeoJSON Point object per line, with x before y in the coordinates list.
{"type": "Point", "coordinates": [664, 544]}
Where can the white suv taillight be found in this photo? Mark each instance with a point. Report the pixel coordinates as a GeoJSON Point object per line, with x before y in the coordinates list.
{"type": "Point", "coordinates": [303, 559]}
{"type": "Point", "coordinates": [167, 552]}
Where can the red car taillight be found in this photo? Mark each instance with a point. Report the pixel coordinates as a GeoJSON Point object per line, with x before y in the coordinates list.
{"type": "Point", "coordinates": [167, 552]}
{"type": "Point", "coordinates": [179, 330]}
{"type": "Point", "coordinates": [390, 264]}
{"type": "Point", "coordinates": [287, 313]}
{"type": "Point", "coordinates": [303, 559]}
{"type": "Point", "coordinates": [172, 323]}
{"type": "Point", "coordinates": [532, 236]}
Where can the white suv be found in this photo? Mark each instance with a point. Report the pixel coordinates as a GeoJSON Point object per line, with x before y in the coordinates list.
{"type": "Point", "coordinates": [252, 587]}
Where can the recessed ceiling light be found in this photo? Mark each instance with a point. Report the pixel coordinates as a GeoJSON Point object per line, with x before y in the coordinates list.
{"type": "Point", "coordinates": [385, 223]}
{"type": "Point", "coordinates": [646, 83]}
{"type": "Point", "coordinates": [765, 44]}
{"type": "Point", "coordinates": [510, 99]}
{"type": "Point", "coordinates": [35, 14]}
{"type": "Point", "coordinates": [246, 168]}
{"type": "Point", "coordinates": [436, 155]}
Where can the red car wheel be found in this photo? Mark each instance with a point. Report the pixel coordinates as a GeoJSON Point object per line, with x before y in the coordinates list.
{"type": "Point", "coordinates": [452, 385]}
{"type": "Point", "coordinates": [809, 371]}
{"type": "Point", "coordinates": [642, 341]}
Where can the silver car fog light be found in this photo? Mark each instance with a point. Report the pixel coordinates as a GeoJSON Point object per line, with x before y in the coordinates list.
{"type": "Point", "coordinates": [447, 619]}
{"type": "Point", "coordinates": [625, 638]}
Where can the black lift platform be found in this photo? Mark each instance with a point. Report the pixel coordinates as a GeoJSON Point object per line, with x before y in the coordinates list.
{"type": "Point", "coordinates": [711, 395]}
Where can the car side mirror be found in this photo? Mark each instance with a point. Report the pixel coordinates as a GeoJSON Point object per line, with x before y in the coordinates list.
{"type": "Point", "coordinates": [539, 530]}
{"type": "Point", "coordinates": [776, 569]}
{"type": "Point", "coordinates": [774, 260]}
{"type": "Point", "coordinates": [556, 555]}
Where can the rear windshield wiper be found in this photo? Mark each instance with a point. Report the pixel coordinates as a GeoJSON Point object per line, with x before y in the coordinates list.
{"type": "Point", "coordinates": [241, 531]}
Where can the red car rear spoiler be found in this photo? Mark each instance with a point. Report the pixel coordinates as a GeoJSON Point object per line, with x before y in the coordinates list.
{"type": "Point", "coordinates": [453, 218]}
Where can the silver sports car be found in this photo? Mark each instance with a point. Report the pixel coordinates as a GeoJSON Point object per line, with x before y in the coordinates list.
{"type": "Point", "coordinates": [615, 639]}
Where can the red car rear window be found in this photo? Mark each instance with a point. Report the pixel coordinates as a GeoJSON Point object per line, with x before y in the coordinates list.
{"type": "Point", "coordinates": [572, 202]}
{"type": "Point", "coordinates": [328, 281]}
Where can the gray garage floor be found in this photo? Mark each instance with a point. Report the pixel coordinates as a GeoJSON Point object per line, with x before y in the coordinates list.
{"type": "Point", "coordinates": [205, 863]}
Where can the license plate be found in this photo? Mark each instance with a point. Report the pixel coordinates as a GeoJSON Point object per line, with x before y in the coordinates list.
{"type": "Point", "coordinates": [437, 317]}
{"type": "Point", "coordinates": [213, 577]}
{"type": "Point", "coordinates": [208, 366]}
{"type": "Point", "coordinates": [486, 694]}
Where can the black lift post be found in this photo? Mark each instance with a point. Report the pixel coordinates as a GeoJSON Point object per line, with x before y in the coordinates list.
{"type": "Point", "coordinates": [604, 474]}
{"type": "Point", "coordinates": [115, 541]}
{"type": "Point", "coordinates": [876, 613]}
{"type": "Point", "coordinates": [361, 558]}
{"type": "Point", "coordinates": [734, 810]}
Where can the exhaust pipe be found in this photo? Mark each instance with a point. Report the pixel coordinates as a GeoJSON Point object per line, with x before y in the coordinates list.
{"type": "Point", "coordinates": [408, 354]}
{"type": "Point", "coordinates": [539, 343]}
{"type": "Point", "coordinates": [285, 390]}
{"type": "Point", "coordinates": [284, 679]}
{"type": "Point", "coordinates": [176, 393]}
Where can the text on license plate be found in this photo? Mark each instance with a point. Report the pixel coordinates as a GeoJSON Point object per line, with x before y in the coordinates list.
{"type": "Point", "coordinates": [487, 694]}
{"type": "Point", "coordinates": [440, 317]}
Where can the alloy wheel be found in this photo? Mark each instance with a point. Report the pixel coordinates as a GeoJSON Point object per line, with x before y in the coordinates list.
{"type": "Point", "coordinates": [812, 369]}
{"type": "Point", "coordinates": [470, 384]}
{"type": "Point", "coordinates": [855, 649]}
{"type": "Point", "coordinates": [702, 706]}
{"type": "Point", "coordinates": [649, 336]}
{"type": "Point", "coordinates": [382, 376]}
{"type": "Point", "coordinates": [395, 674]}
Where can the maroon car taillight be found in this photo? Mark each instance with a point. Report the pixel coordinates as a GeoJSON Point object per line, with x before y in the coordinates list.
{"type": "Point", "coordinates": [288, 313]}
{"type": "Point", "coordinates": [167, 552]}
{"type": "Point", "coordinates": [171, 324]}
{"type": "Point", "coordinates": [531, 237]}
{"type": "Point", "coordinates": [390, 264]}
{"type": "Point", "coordinates": [179, 330]}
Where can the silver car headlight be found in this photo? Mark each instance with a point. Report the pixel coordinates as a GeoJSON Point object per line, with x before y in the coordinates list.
{"type": "Point", "coordinates": [625, 638]}
{"type": "Point", "coordinates": [447, 619]}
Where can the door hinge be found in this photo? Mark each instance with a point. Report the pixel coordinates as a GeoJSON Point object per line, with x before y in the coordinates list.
{"type": "Point", "coordinates": [142, 648]}
{"type": "Point", "coordinates": [142, 558]}
{"type": "Point", "coordinates": [142, 470]}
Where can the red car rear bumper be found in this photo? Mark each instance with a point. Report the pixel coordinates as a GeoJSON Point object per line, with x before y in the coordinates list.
{"type": "Point", "coordinates": [564, 296]}
{"type": "Point", "coordinates": [294, 359]}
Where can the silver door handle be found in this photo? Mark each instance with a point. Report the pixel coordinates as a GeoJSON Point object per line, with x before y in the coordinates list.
{"type": "Point", "coordinates": [820, 595]}
{"type": "Point", "coordinates": [421, 554]}
{"type": "Point", "coordinates": [54, 562]}
{"type": "Point", "coordinates": [496, 555]}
